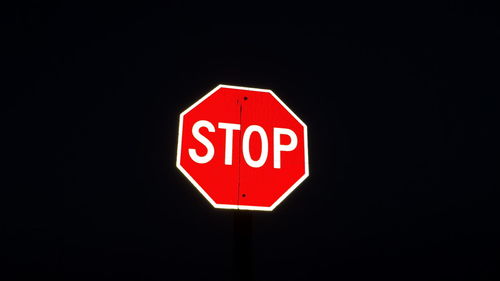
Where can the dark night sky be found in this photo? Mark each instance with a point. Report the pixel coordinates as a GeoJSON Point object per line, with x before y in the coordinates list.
{"type": "Point", "coordinates": [400, 102]}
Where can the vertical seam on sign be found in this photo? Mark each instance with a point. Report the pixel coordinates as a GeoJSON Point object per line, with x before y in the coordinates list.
{"type": "Point", "coordinates": [239, 156]}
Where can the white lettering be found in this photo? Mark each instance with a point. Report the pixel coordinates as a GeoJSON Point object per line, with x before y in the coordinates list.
{"type": "Point", "coordinates": [278, 147]}
{"type": "Point", "coordinates": [199, 137]}
{"type": "Point", "coordinates": [229, 127]}
{"type": "Point", "coordinates": [246, 146]}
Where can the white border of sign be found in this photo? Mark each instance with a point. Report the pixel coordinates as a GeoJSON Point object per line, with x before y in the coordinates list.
{"type": "Point", "coordinates": [241, 207]}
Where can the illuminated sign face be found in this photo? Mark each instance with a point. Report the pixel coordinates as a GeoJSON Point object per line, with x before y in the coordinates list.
{"type": "Point", "coordinates": [242, 148]}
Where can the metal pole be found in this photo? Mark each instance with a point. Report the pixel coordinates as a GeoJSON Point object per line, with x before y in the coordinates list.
{"type": "Point", "coordinates": [243, 254]}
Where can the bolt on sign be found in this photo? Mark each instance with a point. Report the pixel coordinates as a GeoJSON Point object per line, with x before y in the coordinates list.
{"type": "Point", "coordinates": [242, 148]}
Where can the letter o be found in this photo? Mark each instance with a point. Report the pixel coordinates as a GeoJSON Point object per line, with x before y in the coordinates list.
{"type": "Point", "coordinates": [246, 146]}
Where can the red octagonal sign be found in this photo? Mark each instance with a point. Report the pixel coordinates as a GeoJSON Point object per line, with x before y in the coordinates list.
{"type": "Point", "coordinates": [242, 148]}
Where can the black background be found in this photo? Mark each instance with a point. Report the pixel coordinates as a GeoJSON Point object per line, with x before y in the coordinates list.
{"type": "Point", "coordinates": [400, 102]}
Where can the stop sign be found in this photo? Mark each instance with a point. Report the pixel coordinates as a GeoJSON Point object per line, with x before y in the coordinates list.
{"type": "Point", "coordinates": [242, 148]}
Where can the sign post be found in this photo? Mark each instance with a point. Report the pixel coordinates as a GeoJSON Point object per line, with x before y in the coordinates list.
{"type": "Point", "coordinates": [243, 245]}
{"type": "Point", "coordinates": [244, 149]}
